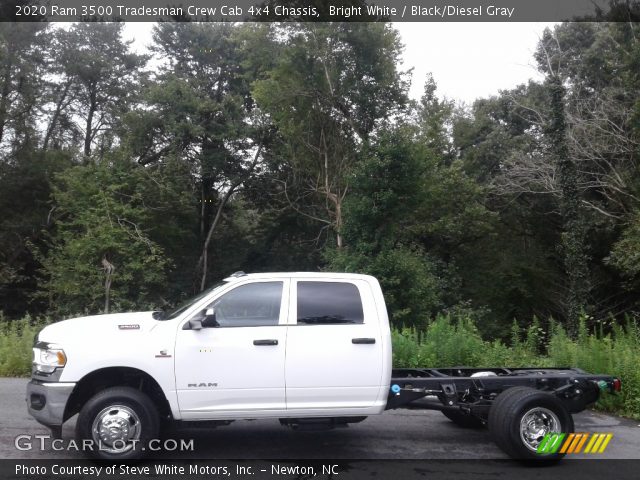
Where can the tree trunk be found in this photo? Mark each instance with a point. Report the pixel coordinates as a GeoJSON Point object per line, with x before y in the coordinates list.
{"type": "Point", "coordinates": [339, 242]}
{"type": "Point", "coordinates": [6, 89]}
{"type": "Point", "coordinates": [334, 198]}
{"type": "Point", "coordinates": [204, 257]}
{"type": "Point", "coordinates": [203, 260]}
{"type": "Point", "coordinates": [203, 199]}
{"type": "Point", "coordinates": [109, 268]}
{"type": "Point", "coordinates": [56, 115]}
{"type": "Point", "coordinates": [574, 233]}
{"type": "Point", "coordinates": [88, 136]}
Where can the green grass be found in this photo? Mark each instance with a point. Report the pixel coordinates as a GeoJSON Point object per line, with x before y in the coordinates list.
{"type": "Point", "coordinates": [448, 342]}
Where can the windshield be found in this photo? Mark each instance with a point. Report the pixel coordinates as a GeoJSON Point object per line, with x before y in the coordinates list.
{"type": "Point", "coordinates": [171, 314]}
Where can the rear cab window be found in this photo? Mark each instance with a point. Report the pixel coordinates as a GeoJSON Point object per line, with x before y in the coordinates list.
{"type": "Point", "coordinates": [328, 303]}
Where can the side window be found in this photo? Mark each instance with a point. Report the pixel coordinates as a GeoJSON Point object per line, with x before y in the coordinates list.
{"type": "Point", "coordinates": [327, 303]}
{"type": "Point", "coordinates": [251, 305]}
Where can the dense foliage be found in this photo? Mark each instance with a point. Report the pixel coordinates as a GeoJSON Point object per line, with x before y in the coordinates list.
{"type": "Point", "coordinates": [129, 183]}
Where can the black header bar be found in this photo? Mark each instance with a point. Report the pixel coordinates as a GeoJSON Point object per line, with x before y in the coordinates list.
{"type": "Point", "coordinates": [321, 10]}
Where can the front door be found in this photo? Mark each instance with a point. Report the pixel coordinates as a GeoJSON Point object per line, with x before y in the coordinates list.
{"type": "Point", "coordinates": [237, 363]}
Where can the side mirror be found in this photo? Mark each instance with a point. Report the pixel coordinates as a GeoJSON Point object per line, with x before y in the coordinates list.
{"type": "Point", "coordinates": [193, 324]}
{"type": "Point", "coordinates": [206, 319]}
{"type": "Point", "coordinates": [209, 319]}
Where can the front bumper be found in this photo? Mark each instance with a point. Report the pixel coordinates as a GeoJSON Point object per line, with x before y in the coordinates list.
{"type": "Point", "coordinates": [46, 401]}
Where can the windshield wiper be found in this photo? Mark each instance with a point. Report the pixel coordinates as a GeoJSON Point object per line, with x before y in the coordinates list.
{"type": "Point", "coordinates": [159, 315]}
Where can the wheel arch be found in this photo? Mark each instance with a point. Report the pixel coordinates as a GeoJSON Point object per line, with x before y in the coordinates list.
{"type": "Point", "coordinates": [104, 378]}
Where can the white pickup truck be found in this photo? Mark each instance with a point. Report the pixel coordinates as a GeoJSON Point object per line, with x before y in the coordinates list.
{"type": "Point", "coordinates": [304, 348]}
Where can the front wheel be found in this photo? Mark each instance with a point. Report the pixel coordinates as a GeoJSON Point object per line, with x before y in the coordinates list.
{"type": "Point", "coordinates": [521, 417]}
{"type": "Point", "coordinates": [119, 422]}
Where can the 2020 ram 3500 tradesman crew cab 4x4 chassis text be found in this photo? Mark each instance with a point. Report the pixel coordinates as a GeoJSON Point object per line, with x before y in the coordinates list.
{"type": "Point", "coordinates": [300, 347]}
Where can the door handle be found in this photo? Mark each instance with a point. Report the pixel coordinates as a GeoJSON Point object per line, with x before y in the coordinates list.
{"type": "Point", "coordinates": [363, 341]}
{"type": "Point", "coordinates": [265, 342]}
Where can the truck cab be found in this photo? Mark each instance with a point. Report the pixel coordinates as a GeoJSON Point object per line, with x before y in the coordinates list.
{"type": "Point", "coordinates": [274, 345]}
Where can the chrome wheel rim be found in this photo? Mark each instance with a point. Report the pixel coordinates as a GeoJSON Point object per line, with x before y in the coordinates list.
{"type": "Point", "coordinates": [116, 429]}
{"type": "Point", "coordinates": [535, 424]}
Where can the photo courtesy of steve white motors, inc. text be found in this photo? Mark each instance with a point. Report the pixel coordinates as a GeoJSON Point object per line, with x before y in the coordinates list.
{"type": "Point", "coordinates": [162, 469]}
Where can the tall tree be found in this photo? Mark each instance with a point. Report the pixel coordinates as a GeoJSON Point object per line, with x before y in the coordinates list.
{"type": "Point", "coordinates": [22, 62]}
{"type": "Point", "coordinates": [502, 147]}
{"type": "Point", "coordinates": [200, 112]}
{"type": "Point", "coordinates": [380, 213]}
{"type": "Point", "coordinates": [574, 247]}
{"type": "Point", "coordinates": [104, 74]}
{"type": "Point", "coordinates": [592, 138]}
{"type": "Point", "coordinates": [331, 86]}
{"type": "Point", "coordinates": [24, 174]}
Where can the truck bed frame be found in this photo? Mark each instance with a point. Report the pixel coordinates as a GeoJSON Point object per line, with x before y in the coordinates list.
{"type": "Point", "coordinates": [456, 389]}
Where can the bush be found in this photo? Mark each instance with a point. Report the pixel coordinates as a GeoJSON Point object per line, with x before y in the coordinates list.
{"type": "Point", "coordinates": [406, 345]}
{"type": "Point", "coordinates": [16, 342]}
{"type": "Point", "coordinates": [616, 353]}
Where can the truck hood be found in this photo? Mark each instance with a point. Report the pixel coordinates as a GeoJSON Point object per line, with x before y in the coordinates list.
{"type": "Point", "coordinates": [85, 329]}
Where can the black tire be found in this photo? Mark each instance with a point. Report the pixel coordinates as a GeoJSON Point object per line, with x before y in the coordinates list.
{"type": "Point", "coordinates": [463, 420]}
{"type": "Point", "coordinates": [132, 411]}
{"type": "Point", "coordinates": [512, 406]}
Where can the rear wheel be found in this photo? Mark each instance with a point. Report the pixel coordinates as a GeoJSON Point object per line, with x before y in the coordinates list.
{"type": "Point", "coordinates": [119, 422]}
{"type": "Point", "coordinates": [520, 418]}
{"type": "Point", "coordinates": [462, 419]}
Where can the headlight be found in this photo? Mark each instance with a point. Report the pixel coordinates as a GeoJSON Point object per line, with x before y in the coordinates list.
{"type": "Point", "coordinates": [47, 357]}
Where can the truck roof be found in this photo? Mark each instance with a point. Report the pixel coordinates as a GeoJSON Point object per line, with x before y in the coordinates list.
{"type": "Point", "coordinates": [320, 275]}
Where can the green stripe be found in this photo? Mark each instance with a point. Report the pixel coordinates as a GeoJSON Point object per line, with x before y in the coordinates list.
{"type": "Point", "coordinates": [543, 444]}
{"type": "Point", "coordinates": [550, 443]}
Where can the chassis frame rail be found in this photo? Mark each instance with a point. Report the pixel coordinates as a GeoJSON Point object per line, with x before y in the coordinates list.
{"type": "Point", "coordinates": [457, 389]}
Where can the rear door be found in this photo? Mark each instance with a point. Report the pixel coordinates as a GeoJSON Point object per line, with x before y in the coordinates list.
{"type": "Point", "coordinates": [334, 356]}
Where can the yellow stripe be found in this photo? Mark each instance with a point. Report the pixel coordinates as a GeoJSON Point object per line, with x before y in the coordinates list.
{"type": "Point", "coordinates": [594, 437]}
{"type": "Point", "coordinates": [575, 442]}
{"type": "Point", "coordinates": [567, 442]}
{"type": "Point", "coordinates": [598, 442]}
{"type": "Point", "coordinates": [584, 439]}
{"type": "Point", "coordinates": [606, 442]}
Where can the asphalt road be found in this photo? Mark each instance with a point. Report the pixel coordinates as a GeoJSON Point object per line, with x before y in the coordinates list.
{"type": "Point", "coordinates": [400, 434]}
